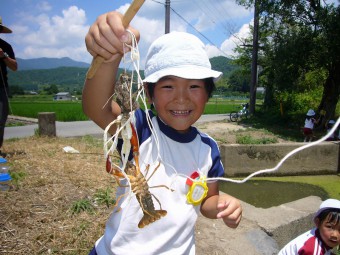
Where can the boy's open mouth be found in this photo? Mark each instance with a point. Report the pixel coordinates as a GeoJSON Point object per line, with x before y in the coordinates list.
{"type": "Point", "coordinates": [181, 113]}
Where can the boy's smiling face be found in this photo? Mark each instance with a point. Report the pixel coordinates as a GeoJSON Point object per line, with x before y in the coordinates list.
{"type": "Point", "coordinates": [179, 102]}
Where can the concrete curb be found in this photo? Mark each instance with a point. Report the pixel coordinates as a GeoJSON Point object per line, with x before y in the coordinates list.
{"type": "Point", "coordinates": [261, 231]}
{"type": "Point", "coordinates": [23, 119]}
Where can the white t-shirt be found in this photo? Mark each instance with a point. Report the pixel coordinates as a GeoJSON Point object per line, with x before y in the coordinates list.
{"type": "Point", "coordinates": [179, 154]}
{"type": "Point", "coordinates": [309, 123]}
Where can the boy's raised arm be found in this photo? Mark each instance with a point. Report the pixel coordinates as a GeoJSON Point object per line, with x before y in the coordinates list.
{"type": "Point", "coordinates": [105, 38]}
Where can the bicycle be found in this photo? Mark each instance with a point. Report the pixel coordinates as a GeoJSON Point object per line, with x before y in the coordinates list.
{"type": "Point", "coordinates": [243, 113]}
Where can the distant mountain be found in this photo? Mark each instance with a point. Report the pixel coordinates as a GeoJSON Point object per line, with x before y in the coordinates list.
{"type": "Point", "coordinates": [48, 63]}
{"type": "Point", "coordinates": [67, 74]}
{"type": "Point", "coordinates": [224, 65]}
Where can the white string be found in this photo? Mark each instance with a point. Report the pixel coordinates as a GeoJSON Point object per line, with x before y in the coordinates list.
{"type": "Point", "coordinates": [264, 171]}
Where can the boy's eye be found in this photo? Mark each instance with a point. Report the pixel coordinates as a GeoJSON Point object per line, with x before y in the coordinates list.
{"type": "Point", "coordinates": [329, 226]}
{"type": "Point", "coordinates": [166, 86]}
{"type": "Point", "coordinates": [195, 86]}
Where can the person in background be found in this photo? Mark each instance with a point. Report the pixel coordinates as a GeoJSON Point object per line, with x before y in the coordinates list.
{"type": "Point", "coordinates": [310, 121]}
{"type": "Point", "coordinates": [335, 136]}
{"type": "Point", "coordinates": [323, 237]}
{"type": "Point", "coordinates": [7, 59]}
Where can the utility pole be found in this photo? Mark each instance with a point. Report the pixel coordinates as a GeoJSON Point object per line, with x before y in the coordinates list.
{"type": "Point", "coordinates": [253, 85]}
{"type": "Point", "coordinates": [167, 16]}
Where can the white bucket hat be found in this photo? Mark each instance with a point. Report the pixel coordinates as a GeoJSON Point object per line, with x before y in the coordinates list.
{"type": "Point", "coordinates": [179, 54]}
{"type": "Point", "coordinates": [310, 112]}
{"type": "Point", "coordinates": [328, 204]}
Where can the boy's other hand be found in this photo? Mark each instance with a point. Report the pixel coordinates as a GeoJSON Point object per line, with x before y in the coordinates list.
{"type": "Point", "coordinates": [230, 210]}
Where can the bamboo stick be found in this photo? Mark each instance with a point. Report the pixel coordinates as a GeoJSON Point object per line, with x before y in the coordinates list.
{"type": "Point", "coordinates": [128, 16]}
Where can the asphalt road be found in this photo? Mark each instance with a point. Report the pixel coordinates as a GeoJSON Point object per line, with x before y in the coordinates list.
{"type": "Point", "coordinates": [80, 128]}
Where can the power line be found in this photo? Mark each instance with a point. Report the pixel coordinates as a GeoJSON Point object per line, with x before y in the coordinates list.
{"type": "Point", "coordinates": [198, 31]}
{"type": "Point", "coordinates": [189, 24]}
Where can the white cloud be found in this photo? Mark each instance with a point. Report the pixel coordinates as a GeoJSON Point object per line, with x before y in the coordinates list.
{"type": "Point", "coordinates": [44, 6]}
{"type": "Point", "coordinates": [229, 45]}
{"type": "Point", "coordinates": [38, 33]}
{"type": "Point", "coordinates": [213, 51]}
{"type": "Point", "coordinates": [56, 36]}
{"type": "Point", "coordinates": [222, 15]}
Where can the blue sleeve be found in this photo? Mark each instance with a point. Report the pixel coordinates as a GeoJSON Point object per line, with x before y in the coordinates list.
{"type": "Point", "coordinates": [142, 126]}
{"type": "Point", "coordinates": [217, 169]}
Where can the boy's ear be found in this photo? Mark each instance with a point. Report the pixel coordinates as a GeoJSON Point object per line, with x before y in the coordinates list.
{"type": "Point", "coordinates": [146, 88]}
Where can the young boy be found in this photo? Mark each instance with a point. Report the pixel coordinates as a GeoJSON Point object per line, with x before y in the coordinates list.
{"type": "Point", "coordinates": [178, 82]}
{"type": "Point", "coordinates": [323, 237]}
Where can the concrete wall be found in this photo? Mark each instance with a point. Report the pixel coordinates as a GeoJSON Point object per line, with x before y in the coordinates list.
{"type": "Point", "coordinates": [242, 160]}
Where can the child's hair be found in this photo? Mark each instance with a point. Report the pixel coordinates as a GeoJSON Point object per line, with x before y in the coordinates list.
{"type": "Point", "coordinates": [331, 215]}
{"type": "Point", "coordinates": [208, 82]}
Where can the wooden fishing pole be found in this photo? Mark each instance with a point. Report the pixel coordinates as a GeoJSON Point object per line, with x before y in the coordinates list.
{"type": "Point", "coordinates": [128, 16]}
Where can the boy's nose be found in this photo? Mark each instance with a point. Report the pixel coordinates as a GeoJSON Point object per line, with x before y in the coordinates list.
{"type": "Point", "coordinates": [181, 95]}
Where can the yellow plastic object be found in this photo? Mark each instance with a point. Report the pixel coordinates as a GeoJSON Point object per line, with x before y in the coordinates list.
{"type": "Point", "coordinates": [198, 191]}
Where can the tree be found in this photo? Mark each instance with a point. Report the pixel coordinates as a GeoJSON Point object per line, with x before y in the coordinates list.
{"type": "Point", "coordinates": [239, 81]}
{"type": "Point", "coordinates": [16, 90]}
{"type": "Point", "coordinates": [299, 42]}
{"type": "Point", "coordinates": [52, 89]}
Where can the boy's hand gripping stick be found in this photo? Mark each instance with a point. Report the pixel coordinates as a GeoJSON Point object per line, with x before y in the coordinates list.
{"type": "Point", "coordinates": [128, 16]}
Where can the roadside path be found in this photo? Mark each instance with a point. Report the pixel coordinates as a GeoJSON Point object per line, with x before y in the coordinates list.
{"type": "Point", "coordinates": [78, 128]}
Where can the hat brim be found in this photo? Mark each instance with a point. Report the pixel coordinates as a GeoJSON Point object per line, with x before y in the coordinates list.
{"type": "Point", "coordinates": [5, 30]}
{"type": "Point", "coordinates": [327, 204]}
{"type": "Point", "coordinates": [186, 72]}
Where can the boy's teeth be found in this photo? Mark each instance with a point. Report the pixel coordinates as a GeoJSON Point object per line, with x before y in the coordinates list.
{"type": "Point", "coordinates": [180, 112]}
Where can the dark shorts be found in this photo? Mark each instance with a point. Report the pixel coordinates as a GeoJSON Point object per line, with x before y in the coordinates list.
{"type": "Point", "coordinates": [93, 251]}
{"type": "Point", "coordinates": [307, 131]}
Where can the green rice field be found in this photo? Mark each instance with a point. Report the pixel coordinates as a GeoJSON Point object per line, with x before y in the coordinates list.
{"type": "Point", "coordinates": [30, 106]}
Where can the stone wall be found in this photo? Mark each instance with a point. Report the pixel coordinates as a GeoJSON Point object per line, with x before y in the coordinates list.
{"type": "Point", "coordinates": [242, 160]}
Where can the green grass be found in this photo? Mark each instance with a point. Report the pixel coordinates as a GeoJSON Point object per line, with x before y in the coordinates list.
{"type": "Point", "coordinates": [105, 197]}
{"type": "Point", "coordinates": [30, 106]}
{"type": "Point", "coordinates": [65, 111]}
{"type": "Point", "coordinates": [248, 139]}
{"type": "Point", "coordinates": [82, 205]}
{"type": "Point", "coordinates": [17, 177]}
{"type": "Point", "coordinates": [221, 106]}
{"type": "Point", "coordinates": [330, 183]}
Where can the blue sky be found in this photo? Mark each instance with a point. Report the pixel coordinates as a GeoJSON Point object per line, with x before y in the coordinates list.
{"type": "Point", "coordinates": [46, 28]}
{"type": "Point", "coordinates": [58, 28]}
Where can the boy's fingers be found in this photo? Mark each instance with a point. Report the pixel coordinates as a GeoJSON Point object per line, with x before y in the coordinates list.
{"type": "Point", "coordinates": [230, 211]}
{"type": "Point", "coordinates": [232, 221]}
{"type": "Point", "coordinates": [107, 35]}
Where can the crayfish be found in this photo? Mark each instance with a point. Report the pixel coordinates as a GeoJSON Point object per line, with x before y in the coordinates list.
{"type": "Point", "coordinates": [138, 182]}
{"type": "Point", "coordinates": [139, 185]}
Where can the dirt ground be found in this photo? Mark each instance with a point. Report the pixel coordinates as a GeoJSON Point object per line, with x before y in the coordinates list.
{"type": "Point", "coordinates": [37, 216]}
{"type": "Point", "coordinates": [227, 132]}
